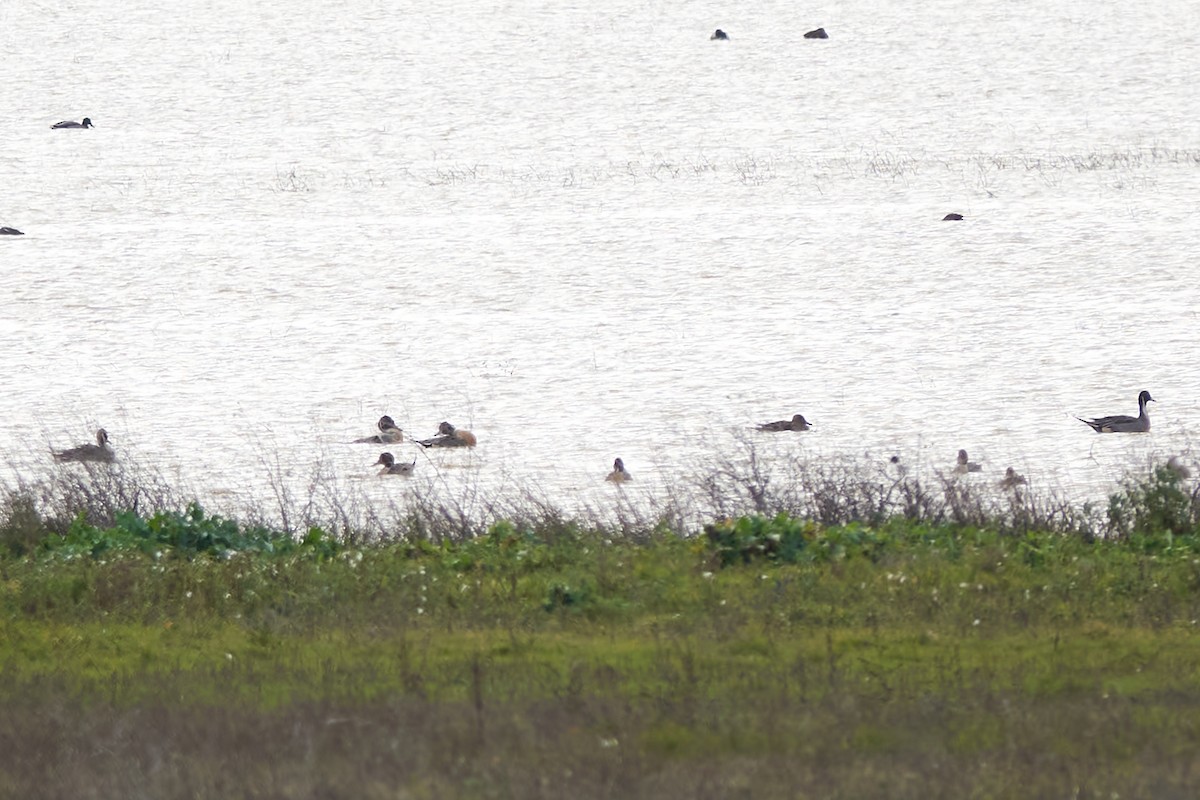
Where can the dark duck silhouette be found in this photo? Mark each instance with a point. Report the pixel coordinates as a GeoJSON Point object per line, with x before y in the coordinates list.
{"type": "Point", "coordinates": [100, 451]}
{"type": "Point", "coordinates": [70, 123]}
{"type": "Point", "coordinates": [796, 423]}
{"type": "Point", "coordinates": [1119, 423]}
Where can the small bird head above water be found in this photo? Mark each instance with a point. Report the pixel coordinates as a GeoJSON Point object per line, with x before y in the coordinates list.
{"type": "Point", "coordinates": [619, 474]}
{"type": "Point", "coordinates": [390, 467]}
{"type": "Point", "coordinates": [966, 465]}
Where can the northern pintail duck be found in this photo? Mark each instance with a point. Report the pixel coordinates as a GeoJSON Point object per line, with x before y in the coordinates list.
{"type": "Point", "coordinates": [70, 123]}
{"type": "Point", "coordinates": [449, 436]}
{"type": "Point", "coordinates": [390, 467]}
{"type": "Point", "coordinates": [952, 217]}
{"type": "Point", "coordinates": [6, 231]}
{"type": "Point", "coordinates": [796, 423]}
{"type": "Point", "coordinates": [619, 474]}
{"type": "Point", "coordinates": [389, 433]}
{"type": "Point", "coordinates": [719, 36]}
{"type": "Point", "coordinates": [1012, 479]}
{"type": "Point", "coordinates": [100, 451]}
{"type": "Point", "coordinates": [819, 33]}
{"type": "Point", "coordinates": [1123, 424]}
{"type": "Point", "coordinates": [965, 465]}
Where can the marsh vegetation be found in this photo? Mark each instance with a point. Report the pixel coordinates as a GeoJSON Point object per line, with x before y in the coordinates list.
{"type": "Point", "coordinates": [876, 639]}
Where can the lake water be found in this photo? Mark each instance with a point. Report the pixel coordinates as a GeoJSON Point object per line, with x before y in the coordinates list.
{"type": "Point", "coordinates": [594, 233]}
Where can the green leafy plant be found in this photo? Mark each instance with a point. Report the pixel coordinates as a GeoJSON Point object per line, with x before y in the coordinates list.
{"type": "Point", "coordinates": [1157, 512]}
{"type": "Point", "coordinates": [188, 532]}
{"type": "Point", "coordinates": [742, 540]}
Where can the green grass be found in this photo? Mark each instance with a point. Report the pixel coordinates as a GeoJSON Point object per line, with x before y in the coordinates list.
{"type": "Point", "coordinates": [178, 654]}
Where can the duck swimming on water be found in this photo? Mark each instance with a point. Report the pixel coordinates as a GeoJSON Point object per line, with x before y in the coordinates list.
{"type": "Point", "coordinates": [100, 451]}
{"type": "Point", "coordinates": [390, 467]}
{"type": "Point", "coordinates": [1119, 423]}
{"type": "Point", "coordinates": [449, 436]}
{"type": "Point", "coordinates": [796, 423]}
{"type": "Point", "coordinates": [389, 433]}
{"type": "Point", "coordinates": [1012, 479]}
{"type": "Point", "coordinates": [619, 474]}
{"type": "Point", "coordinates": [70, 123]}
{"type": "Point", "coordinates": [965, 465]}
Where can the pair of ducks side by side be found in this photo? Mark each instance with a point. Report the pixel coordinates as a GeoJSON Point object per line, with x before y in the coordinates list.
{"type": "Point", "coordinates": [448, 435]}
{"type": "Point", "coordinates": [963, 466]}
{"type": "Point", "coordinates": [98, 452]}
{"type": "Point", "coordinates": [721, 36]}
{"type": "Point", "coordinates": [1011, 480]}
{"type": "Point", "coordinates": [1114, 424]}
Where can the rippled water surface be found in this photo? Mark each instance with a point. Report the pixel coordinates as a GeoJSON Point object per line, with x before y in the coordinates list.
{"type": "Point", "coordinates": [588, 233]}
